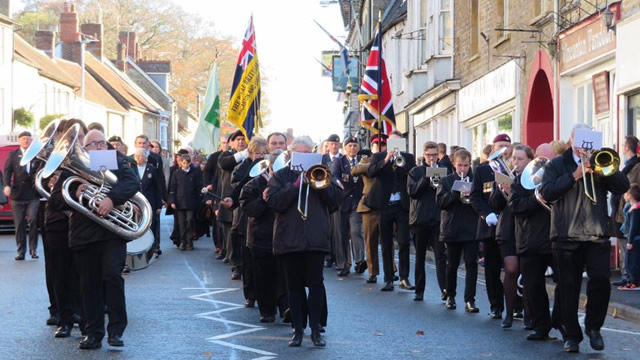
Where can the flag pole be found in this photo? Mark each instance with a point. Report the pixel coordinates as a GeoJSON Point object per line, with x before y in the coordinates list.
{"type": "Point", "coordinates": [379, 80]}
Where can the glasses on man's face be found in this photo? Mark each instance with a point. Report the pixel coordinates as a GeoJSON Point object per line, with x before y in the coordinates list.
{"type": "Point", "coordinates": [96, 143]}
{"type": "Point", "coordinates": [431, 155]}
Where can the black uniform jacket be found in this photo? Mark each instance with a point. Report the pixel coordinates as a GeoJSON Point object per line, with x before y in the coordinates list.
{"type": "Point", "coordinates": [15, 176]}
{"type": "Point", "coordinates": [353, 185]}
{"type": "Point", "coordinates": [291, 233]}
{"type": "Point", "coordinates": [239, 177]}
{"type": "Point", "coordinates": [83, 230]}
{"type": "Point", "coordinates": [384, 177]}
{"type": "Point", "coordinates": [226, 164]}
{"type": "Point", "coordinates": [261, 217]}
{"type": "Point", "coordinates": [531, 221]}
{"type": "Point", "coordinates": [211, 170]}
{"type": "Point", "coordinates": [573, 216]}
{"type": "Point", "coordinates": [423, 209]}
{"type": "Point", "coordinates": [505, 230]}
{"type": "Point", "coordinates": [458, 221]}
{"type": "Point", "coordinates": [446, 162]}
{"type": "Point", "coordinates": [185, 187]}
{"type": "Point", "coordinates": [482, 187]}
{"type": "Point", "coordinates": [151, 185]}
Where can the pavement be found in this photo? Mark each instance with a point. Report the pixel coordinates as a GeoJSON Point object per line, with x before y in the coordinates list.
{"type": "Point", "coordinates": [185, 306]}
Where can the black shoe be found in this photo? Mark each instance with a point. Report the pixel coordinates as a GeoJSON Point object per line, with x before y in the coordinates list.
{"type": "Point", "coordinates": [470, 307]}
{"type": "Point", "coordinates": [518, 314]}
{"type": "Point", "coordinates": [496, 315]}
{"type": "Point", "coordinates": [372, 280]}
{"type": "Point", "coordinates": [76, 319]}
{"type": "Point", "coordinates": [236, 275]}
{"type": "Point", "coordinates": [267, 319]}
{"type": "Point", "coordinates": [395, 278]}
{"type": "Point", "coordinates": [183, 246]}
{"type": "Point", "coordinates": [418, 297]}
{"type": "Point", "coordinates": [321, 329]}
{"type": "Point", "coordinates": [451, 303]}
{"type": "Point", "coordinates": [53, 320]}
{"type": "Point", "coordinates": [220, 256]}
{"type": "Point", "coordinates": [250, 303]}
{"type": "Point", "coordinates": [90, 342]}
{"type": "Point", "coordinates": [115, 340]}
{"type": "Point", "coordinates": [63, 331]}
{"type": "Point", "coordinates": [388, 286]}
{"type": "Point", "coordinates": [538, 336]}
{"type": "Point", "coordinates": [406, 285]}
{"type": "Point", "coordinates": [328, 263]}
{"type": "Point", "coordinates": [296, 340]}
{"type": "Point", "coordinates": [19, 257]}
{"type": "Point", "coordinates": [344, 272]}
{"type": "Point", "coordinates": [34, 254]}
{"type": "Point", "coordinates": [361, 267]}
{"type": "Point", "coordinates": [225, 260]}
{"type": "Point", "coordinates": [317, 339]}
{"type": "Point", "coordinates": [527, 324]}
{"type": "Point", "coordinates": [444, 295]}
{"type": "Point", "coordinates": [595, 339]}
{"type": "Point", "coordinates": [189, 247]}
{"type": "Point", "coordinates": [571, 346]}
{"type": "Point", "coordinates": [507, 322]}
{"type": "Point", "coordinates": [286, 316]}
{"type": "Point", "coordinates": [158, 252]}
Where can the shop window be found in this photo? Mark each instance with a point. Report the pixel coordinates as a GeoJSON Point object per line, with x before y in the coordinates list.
{"type": "Point", "coordinates": [445, 37]}
{"type": "Point", "coordinates": [482, 134]}
{"type": "Point", "coordinates": [585, 104]}
{"type": "Point", "coordinates": [475, 22]}
{"type": "Point", "coordinates": [633, 114]}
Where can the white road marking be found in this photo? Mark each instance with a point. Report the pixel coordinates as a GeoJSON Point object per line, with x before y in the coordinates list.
{"type": "Point", "coordinates": [582, 315]}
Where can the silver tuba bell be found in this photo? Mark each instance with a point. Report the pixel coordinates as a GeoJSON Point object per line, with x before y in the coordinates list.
{"type": "Point", "coordinates": [123, 220]}
{"type": "Point", "coordinates": [261, 168]}
{"type": "Point", "coordinates": [531, 178]}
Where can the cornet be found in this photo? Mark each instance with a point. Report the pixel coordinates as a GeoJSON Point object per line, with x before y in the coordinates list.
{"type": "Point", "coordinates": [398, 159]}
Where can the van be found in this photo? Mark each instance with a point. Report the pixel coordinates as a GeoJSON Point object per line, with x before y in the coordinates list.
{"type": "Point", "coordinates": [6, 218]}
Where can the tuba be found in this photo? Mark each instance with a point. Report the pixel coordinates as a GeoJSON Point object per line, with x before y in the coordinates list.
{"type": "Point", "coordinates": [41, 148]}
{"type": "Point", "coordinates": [316, 177]}
{"type": "Point", "coordinates": [123, 220]}
{"type": "Point", "coordinates": [531, 178]}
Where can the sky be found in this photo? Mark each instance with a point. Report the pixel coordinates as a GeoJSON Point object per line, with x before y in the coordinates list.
{"type": "Point", "coordinates": [287, 42]}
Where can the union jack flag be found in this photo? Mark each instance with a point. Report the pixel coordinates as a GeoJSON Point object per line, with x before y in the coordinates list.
{"type": "Point", "coordinates": [375, 92]}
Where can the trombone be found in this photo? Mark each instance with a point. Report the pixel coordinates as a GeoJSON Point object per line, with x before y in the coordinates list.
{"type": "Point", "coordinates": [603, 162]}
{"type": "Point", "coordinates": [316, 177]}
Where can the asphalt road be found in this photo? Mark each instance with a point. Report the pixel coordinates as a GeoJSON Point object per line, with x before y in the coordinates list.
{"type": "Point", "coordinates": [185, 306]}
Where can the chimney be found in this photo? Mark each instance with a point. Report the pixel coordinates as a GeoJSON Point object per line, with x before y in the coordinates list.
{"type": "Point", "coordinates": [69, 24]}
{"type": "Point", "coordinates": [120, 61]}
{"type": "Point", "coordinates": [46, 41]}
{"type": "Point", "coordinates": [130, 39]}
{"type": "Point", "coordinates": [95, 31]}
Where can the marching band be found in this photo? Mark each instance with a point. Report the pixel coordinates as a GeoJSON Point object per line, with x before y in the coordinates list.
{"type": "Point", "coordinates": [278, 223]}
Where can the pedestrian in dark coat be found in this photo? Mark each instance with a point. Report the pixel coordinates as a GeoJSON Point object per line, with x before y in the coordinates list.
{"type": "Point", "coordinates": [184, 197]}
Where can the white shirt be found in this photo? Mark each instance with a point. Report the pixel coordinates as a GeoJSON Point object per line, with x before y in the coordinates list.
{"type": "Point", "coordinates": [333, 157]}
{"type": "Point", "coordinates": [395, 197]}
{"type": "Point", "coordinates": [141, 170]}
{"type": "Point", "coordinates": [576, 158]}
{"type": "Point", "coordinates": [27, 167]}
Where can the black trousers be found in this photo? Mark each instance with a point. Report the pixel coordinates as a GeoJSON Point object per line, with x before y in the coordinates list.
{"type": "Point", "coordinates": [100, 266]}
{"type": "Point", "coordinates": [304, 270]}
{"type": "Point", "coordinates": [234, 249]}
{"type": "Point", "coordinates": [456, 249]}
{"type": "Point", "coordinates": [61, 268]}
{"type": "Point", "coordinates": [533, 268]}
{"type": "Point", "coordinates": [265, 273]}
{"type": "Point", "coordinates": [20, 210]}
{"type": "Point", "coordinates": [48, 274]}
{"type": "Point", "coordinates": [428, 237]}
{"type": "Point", "coordinates": [390, 216]}
{"type": "Point", "coordinates": [185, 224]}
{"type": "Point", "coordinates": [492, 270]}
{"type": "Point", "coordinates": [248, 275]}
{"type": "Point", "coordinates": [569, 265]}
{"type": "Point", "coordinates": [155, 229]}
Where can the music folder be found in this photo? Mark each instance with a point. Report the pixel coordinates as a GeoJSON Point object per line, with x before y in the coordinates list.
{"type": "Point", "coordinates": [100, 160]}
{"type": "Point", "coordinates": [503, 179]}
{"type": "Point", "coordinates": [461, 186]}
{"type": "Point", "coordinates": [440, 171]}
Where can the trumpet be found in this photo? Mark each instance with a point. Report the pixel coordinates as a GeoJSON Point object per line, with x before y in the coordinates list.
{"type": "Point", "coordinates": [603, 162]}
{"type": "Point", "coordinates": [398, 159]}
{"type": "Point", "coordinates": [465, 197]}
{"type": "Point", "coordinates": [316, 177]}
{"type": "Point", "coordinates": [435, 180]}
{"type": "Point", "coordinates": [123, 220]}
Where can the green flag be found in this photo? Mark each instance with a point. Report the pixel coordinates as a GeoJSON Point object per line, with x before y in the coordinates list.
{"type": "Point", "coordinates": [207, 135]}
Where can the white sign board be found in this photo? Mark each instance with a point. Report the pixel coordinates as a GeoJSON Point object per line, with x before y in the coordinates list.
{"type": "Point", "coordinates": [588, 139]}
{"type": "Point", "coordinates": [303, 161]}
{"type": "Point", "coordinates": [100, 160]}
{"type": "Point", "coordinates": [399, 144]}
{"type": "Point", "coordinates": [489, 91]}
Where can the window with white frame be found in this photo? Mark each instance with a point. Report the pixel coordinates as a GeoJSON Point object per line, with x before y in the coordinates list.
{"type": "Point", "coordinates": [633, 114]}
{"type": "Point", "coordinates": [163, 136]}
{"type": "Point", "coordinates": [503, 15]}
{"type": "Point", "coordinates": [422, 27]}
{"type": "Point", "coordinates": [484, 132]}
{"type": "Point", "coordinates": [445, 33]}
{"type": "Point", "coordinates": [584, 104]}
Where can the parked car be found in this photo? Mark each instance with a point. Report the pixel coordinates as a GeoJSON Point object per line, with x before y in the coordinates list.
{"type": "Point", "coordinates": [6, 219]}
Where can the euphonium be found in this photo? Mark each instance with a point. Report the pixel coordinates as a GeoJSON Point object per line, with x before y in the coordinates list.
{"type": "Point", "coordinates": [123, 220]}
{"type": "Point", "coordinates": [531, 178]}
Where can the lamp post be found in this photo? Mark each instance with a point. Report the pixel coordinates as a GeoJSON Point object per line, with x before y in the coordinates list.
{"type": "Point", "coordinates": [609, 18]}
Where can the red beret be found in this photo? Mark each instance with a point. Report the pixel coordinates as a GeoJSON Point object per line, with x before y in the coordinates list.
{"type": "Point", "coordinates": [374, 138]}
{"type": "Point", "coordinates": [502, 137]}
